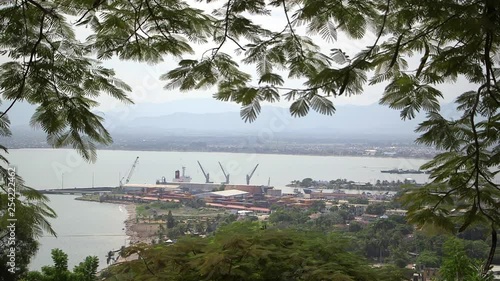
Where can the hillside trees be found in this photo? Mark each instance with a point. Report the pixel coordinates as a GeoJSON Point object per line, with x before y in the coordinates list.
{"type": "Point", "coordinates": [29, 213]}
{"type": "Point", "coordinates": [42, 63]}
{"type": "Point", "coordinates": [457, 266]}
{"type": "Point", "coordinates": [85, 271]}
{"type": "Point", "coordinates": [376, 209]}
{"type": "Point", "coordinates": [452, 39]}
{"type": "Point", "coordinates": [170, 220]}
{"type": "Point", "coordinates": [245, 251]}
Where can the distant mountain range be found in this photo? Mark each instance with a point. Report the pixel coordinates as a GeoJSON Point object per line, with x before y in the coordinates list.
{"type": "Point", "coordinates": [209, 116]}
{"type": "Point", "coordinates": [224, 118]}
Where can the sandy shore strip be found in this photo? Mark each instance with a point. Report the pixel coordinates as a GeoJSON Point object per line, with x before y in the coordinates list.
{"type": "Point", "coordinates": [133, 236]}
{"type": "Point", "coordinates": [137, 232]}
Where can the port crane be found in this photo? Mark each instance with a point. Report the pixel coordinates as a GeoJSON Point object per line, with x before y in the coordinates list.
{"type": "Point", "coordinates": [207, 175]}
{"type": "Point", "coordinates": [251, 174]}
{"type": "Point", "coordinates": [127, 178]}
{"type": "Point", "coordinates": [225, 175]}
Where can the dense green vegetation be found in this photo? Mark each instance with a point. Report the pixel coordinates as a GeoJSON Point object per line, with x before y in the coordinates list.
{"type": "Point", "coordinates": [249, 251]}
{"type": "Point", "coordinates": [30, 209]}
{"type": "Point", "coordinates": [85, 271]}
{"type": "Point", "coordinates": [171, 220]}
{"type": "Point", "coordinates": [293, 246]}
{"type": "Point", "coordinates": [384, 185]}
{"type": "Point", "coordinates": [145, 209]}
{"type": "Point", "coordinates": [390, 240]}
{"type": "Point", "coordinates": [256, 251]}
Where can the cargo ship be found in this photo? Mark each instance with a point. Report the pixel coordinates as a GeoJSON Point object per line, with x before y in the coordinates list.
{"type": "Point", "coordinates": [178, 178]}
{"type": "Point", "coordinates": [401, 171]}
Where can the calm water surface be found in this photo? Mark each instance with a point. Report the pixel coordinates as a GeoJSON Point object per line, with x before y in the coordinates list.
{"type": "Point", "coordinates": [50, 168]}
{"type": "Point", "coordinates": [83, 229]}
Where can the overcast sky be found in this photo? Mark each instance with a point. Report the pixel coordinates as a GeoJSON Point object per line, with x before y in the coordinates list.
{"type": "Point", "coordinates": [147, 88]}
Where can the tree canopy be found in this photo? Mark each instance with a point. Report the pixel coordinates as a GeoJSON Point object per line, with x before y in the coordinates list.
{"type": "Point", "coordinates": [452, 38]}
{"type": "Point", "coordinates": [48, 66]}
{"type": "Point", "coordinates": [246, 251]}
{"type": "Point", "coordinates": [84, 271]}
{"type": "Point", "coordinates": [31, 213]}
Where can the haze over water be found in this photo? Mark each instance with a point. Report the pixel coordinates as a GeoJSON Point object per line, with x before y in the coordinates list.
{"type": "Point", "coordinates": [51, 168]}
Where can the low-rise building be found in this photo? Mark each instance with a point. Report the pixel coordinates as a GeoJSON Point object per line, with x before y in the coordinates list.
{"type": "Point", "coordinates": [396, 212]}
{"type": "Point", "coordinates": [146, 188]}
{"type": "Point", "coordinates": [232, 193]}
{"type": "Point", "coordinates": [274, 192]}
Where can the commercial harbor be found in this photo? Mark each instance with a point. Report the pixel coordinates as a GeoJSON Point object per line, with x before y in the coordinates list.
{"type": "Point", "coordinates": [247, 197]}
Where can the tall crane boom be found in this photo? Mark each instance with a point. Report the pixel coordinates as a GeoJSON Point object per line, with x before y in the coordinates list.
{"type": "Point", "coordinates": [207, 175]}
{"type": "Point", "coordinates": [251, 174]}
{"type": "Point", "coordinates": [225, 175]}
{"type": "Point", "coordinates": [127, 178]}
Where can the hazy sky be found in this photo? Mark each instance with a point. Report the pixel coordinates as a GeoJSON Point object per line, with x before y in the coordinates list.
{"type": "Point", "coordinates": [147, 88]}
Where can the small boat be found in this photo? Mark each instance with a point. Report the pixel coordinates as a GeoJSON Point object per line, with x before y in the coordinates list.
{"type": "Point", "coordinates": [401, 171]}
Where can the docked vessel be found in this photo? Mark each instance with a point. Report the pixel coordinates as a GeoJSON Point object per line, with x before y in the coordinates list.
{"type": "Point", "coordinates": [178, 177]}
{"type": "Point", "coordinates": [401, 171]}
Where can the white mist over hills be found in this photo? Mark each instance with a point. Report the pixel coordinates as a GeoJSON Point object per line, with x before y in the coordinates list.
{"type": "Point", "coordinates": [209, 116]}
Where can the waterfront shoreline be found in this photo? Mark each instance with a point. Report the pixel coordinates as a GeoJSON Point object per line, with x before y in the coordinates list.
{"type": "Point", "coordinates": [427, 158]}
{"type": "Point", "coordinates": [153, 166]}
{"type": "Point", "coordinates": [83, 229]}
{"type": "Point", "coordinates": [133, 230]}
{"type": "Point", "coordinates": [136, 232]}
{"type": "Point", "coordinates": [130, 223]}
{"type": "Point", "coordinates": [133, 237]}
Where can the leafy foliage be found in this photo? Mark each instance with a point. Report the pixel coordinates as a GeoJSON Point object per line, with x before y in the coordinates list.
{"type": "Point", "coordinates": [32, 215]}
{"type": "Point", "coordinates": [47, 66]}
{"type": "Point", "coordinates": [170, 220]}
{"type": "Point", "coordinates": [376, 209]}
{"type": "Point", "coordinates": [85, 271]}
{"type": "Point", "coordinates": [457, 266]}
{"type": "Point", "coordinates": [245, 251]}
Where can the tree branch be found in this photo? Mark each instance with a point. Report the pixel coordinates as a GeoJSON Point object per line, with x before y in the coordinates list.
{"type": "Point", "coordinates": [146, 264]}
{"type": "Point", "coordinates": [386, 13]}
{"type": "Point", "coordinates": [226, 27]}
{"type": "Point", "coordinates": [236, 42]}
{"type": "Point", "coordinates": [382, 28]}
{"type": "Point", "coordinates": [292, 31]}
{"type": "Point", "coordinates": [477, 154]}
{"type": "Point", "coordinates": [137, 25]}
{"type": "Point", "coordinates": [153, 16]}
{"type": "Point", "coordinates": [96, 5]}
{"type": "Point", "coordinates": [446, 195]}
{"type": "Point", "coordinates": [42, 8]}
{"type": "Point", "coordinates": [28, 66]}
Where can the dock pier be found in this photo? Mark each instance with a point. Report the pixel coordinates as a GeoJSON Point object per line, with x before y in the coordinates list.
{"type": "Point", "coordinates": [79, 190]}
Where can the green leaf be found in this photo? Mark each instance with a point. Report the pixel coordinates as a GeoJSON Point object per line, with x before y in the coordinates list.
{"type": "Point", "coordinates": [271, 78]}
{"type": "Point", "coordinates": [250, 111]}
{"type": "Point", "coordinates": [269, 94]}
{"type": "Point", "coordinates": [300, 107]}
{"type": "Point", "coordinates": [339, 56]}
{"type": "Point", "coordinates": [322, 105]}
